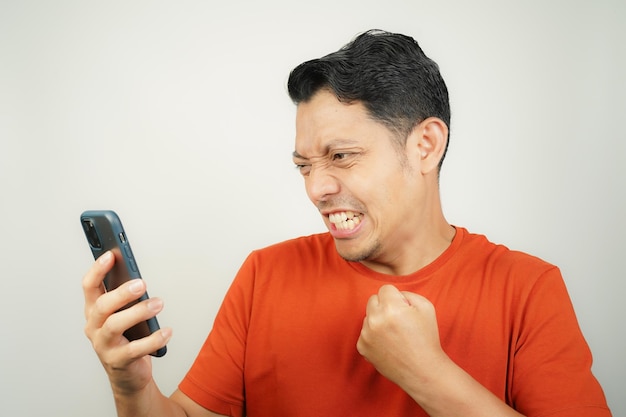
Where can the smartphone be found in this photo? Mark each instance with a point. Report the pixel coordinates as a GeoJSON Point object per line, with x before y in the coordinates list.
{"type": "Point", "coordinates": [104, 232]}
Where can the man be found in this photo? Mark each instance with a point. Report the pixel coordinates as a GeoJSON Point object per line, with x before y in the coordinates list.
{"type": "Point", "coordinates": [394, 312]}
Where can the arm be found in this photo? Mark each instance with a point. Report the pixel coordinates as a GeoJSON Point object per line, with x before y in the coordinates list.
{"type": "Point", "coordinates": [127, 364]}
{"type": "Point", "coordinates": [400, 338]}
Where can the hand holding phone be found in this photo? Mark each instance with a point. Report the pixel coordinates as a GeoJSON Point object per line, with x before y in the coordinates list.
{"type": "Point", "coordinates": [104, 232]}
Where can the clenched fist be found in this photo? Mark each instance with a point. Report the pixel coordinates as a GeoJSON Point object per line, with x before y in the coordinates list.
{"type": "Point", "coordinates": [400, 336]}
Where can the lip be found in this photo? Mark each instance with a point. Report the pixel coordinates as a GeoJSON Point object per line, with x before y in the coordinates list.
{"type": "Point", "coordinates": [327, 213]}
{"type": "Point", "coordinates": [343, 233]}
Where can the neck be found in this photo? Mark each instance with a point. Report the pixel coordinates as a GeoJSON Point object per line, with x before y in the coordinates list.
{"type": "Point", "coordinates": [423, 240]}
{"type": "Point", "coordinates": [425, 247]}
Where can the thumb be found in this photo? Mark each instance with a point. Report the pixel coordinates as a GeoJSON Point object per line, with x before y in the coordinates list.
{"type": "Point", "coordinates": [416, 300]}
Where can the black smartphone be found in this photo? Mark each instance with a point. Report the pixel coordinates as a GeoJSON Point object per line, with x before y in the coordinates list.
{"type": "Point", "coordinates": [104, 232]}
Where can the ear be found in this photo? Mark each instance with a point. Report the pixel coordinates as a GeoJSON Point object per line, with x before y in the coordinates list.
{"type": "Point", "coordinates": [431, 140]}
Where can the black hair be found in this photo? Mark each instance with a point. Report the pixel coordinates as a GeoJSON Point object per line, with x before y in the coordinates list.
{"type": "Point", "coordinates": [387, 72]}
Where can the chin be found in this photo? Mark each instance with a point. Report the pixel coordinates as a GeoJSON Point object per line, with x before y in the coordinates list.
{"type": "Point", "coordinates": [355, 254]}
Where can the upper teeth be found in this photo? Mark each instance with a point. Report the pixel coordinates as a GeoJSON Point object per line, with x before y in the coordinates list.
{"type": "Point", "coordinates": [344, 220]}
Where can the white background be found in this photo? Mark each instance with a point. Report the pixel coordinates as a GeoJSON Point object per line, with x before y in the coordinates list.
{"type": "Point", "coordinates": [175, 115]}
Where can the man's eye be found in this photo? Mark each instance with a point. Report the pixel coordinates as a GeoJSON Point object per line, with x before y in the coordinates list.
{"type": "Point", "coordinates": [343, 159]}
{"type": "Point", "coordinates": [303, 168]}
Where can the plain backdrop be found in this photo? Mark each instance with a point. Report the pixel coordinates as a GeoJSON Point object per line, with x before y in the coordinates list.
{"type": "Point", "coordinates": [175, 114]}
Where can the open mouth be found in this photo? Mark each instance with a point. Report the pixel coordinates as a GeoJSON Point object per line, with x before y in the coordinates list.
{"type": "Point", "coordinates": [345, 220]}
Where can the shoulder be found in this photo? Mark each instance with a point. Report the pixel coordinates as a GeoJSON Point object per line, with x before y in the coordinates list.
{"type": "Point", "coordinates": [477, 251]}
{"type": "Point", "coordinates": [291, 266]}
{"type": "Point", "coordinates": [297, 253]}
{"type": "Point", "coordinates": [480, 246]}
{"type": "Point", "coordinates": [316, 245]}
{"type": "Point", "coordinates": [523, 282]}
{"type": "Point", "coordinates": [319, 242]}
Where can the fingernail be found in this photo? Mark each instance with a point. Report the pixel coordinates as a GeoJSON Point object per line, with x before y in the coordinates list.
{"type": "Point", "coordinates": [166, 333]}
{"type": "Point", "coordinates": [155, 304]}
{"type": "Point", "coordinates": [136, 286]}
{"type": "Point", "coordinates": [105, 258]}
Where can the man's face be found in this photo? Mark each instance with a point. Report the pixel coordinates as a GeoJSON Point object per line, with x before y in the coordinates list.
{"type": "Point", "coordinates": [368, 189]}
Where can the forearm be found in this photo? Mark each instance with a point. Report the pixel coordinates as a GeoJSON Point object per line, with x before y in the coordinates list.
{"type": "Point", "coordinates": [453, 392]}
{"type": "Point", "coordinates": [149, 402]}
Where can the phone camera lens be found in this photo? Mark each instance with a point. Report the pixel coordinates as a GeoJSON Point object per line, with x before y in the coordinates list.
{"type": "Point", "coordinates": [92, 235]}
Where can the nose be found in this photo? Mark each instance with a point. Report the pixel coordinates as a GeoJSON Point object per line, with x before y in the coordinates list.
{"type": "Point", "coordinates": [320, 185]}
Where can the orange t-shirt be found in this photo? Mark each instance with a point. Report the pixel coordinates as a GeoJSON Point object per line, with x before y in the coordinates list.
{"type": "Point", "coordinates": [284, 340]}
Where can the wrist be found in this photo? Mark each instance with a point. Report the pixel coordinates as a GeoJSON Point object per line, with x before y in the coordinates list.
{"type": "Point", "coordinates": [134, 402]}
{"type": "Point", "coordinates": [448, 390]}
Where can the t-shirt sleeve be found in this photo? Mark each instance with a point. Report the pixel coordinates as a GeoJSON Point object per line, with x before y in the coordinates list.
{"type": "Point", "coordinates": [552, 367]}
{"type": "Point", "coordinates": [216, 378]}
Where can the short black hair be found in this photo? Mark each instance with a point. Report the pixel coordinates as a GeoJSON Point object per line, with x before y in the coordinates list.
{"type": "Point", "coordinates": [387, 72]}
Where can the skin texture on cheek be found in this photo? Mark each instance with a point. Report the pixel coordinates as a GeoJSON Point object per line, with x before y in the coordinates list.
{"type": "Point", "coordinates": [382, 220]}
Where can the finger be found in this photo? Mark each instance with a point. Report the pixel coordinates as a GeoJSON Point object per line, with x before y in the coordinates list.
{"type": "Point", "coordinates": [361, 344]}
{"type": "Point", "coordinates": [417, 300]}
{"type": "Point", "coordinates": [110, 302]}
{"type": "Point", "coordinates": [92, 281]}
{"type": "Point", "coordinates": [388, 294]}
{"type": "Point", "coordinates": [123, 354]}
{"type": "Point", "coordinates": [147, 345]}
{"type": "Point", "coordinates": [110, 336]}
{"type": "Point", "coordinates": [121, 321]}
{"type": "Point", "coordinates": [372, 303]}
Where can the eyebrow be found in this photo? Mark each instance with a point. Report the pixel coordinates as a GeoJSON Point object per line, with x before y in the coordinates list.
{"type": "Point", "coordinates": [331, 145]}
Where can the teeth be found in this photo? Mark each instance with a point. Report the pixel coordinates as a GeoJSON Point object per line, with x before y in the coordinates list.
{"type": "Point", "coordinates": [345, 220]}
